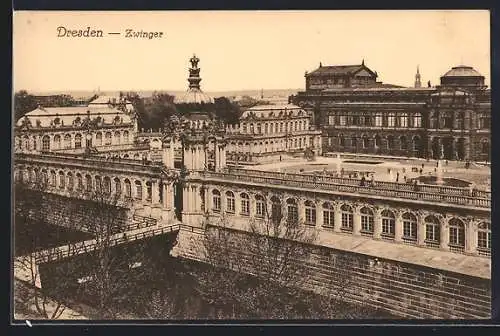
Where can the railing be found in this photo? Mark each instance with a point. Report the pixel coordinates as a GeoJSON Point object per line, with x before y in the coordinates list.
{"type": "Point", "coordinates": [90, 162]}
{"type": "Point", "coordinates": [429, 193]}
{"type": "Point", "coordinates": [90, 245]}
{"type": "Point", "coordinates": [141, 222]}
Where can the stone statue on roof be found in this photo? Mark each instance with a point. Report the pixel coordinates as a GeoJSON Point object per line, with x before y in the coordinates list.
{"type": "Point", "coordinates": [194, 61]}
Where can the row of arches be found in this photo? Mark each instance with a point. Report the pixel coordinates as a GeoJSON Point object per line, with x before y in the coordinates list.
{"type": "Point", "coordinates": [270, 146]}
{"type": "Point", "coordinates": [58, 141]}
{"type": "Point", "coordinates": [364, 141]}
{"type": "Point", "coordinates": [277, 127]}
{"type": "Point", "coordinates": [325, 214]}
{"type": "Point", "coordinates": [76, 181]}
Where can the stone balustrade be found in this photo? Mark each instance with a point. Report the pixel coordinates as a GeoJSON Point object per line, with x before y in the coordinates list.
{"type": "Point", "coordinates": [427, 193]}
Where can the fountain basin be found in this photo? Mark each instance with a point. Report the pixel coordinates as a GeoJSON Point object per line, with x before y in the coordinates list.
{"type": "Point", "coordinates": [446, 181]}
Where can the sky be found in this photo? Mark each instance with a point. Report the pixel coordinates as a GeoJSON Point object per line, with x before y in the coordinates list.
{"type": "Point", "coordinates": [245, 50]}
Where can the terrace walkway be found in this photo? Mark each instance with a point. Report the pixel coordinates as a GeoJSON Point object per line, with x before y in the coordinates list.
{"type": "Point", "coordinates": [479, 200]}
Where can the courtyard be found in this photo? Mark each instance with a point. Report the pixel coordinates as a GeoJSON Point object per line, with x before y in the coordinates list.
{"type": "Point", "coordinates": [386, 169]}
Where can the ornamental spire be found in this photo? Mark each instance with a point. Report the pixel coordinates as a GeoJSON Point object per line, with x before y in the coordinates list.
{"type": "Point", "coordinates": [418, 84]}
{"type": "Point", "coordinates": [194, 78]}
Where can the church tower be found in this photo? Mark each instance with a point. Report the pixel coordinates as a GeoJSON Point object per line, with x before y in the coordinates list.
{"type": "Point", "coordinates": [418, 84]}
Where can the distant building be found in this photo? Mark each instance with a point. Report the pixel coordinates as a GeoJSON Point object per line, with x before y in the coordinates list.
{"type": "Point", "coordinates": [266, 132]}
{"type": "Point", "coordinates": [359, 115]}
{"type": "Point", "coordinates": [111, 101]}
{"type": "Point", "coordinates": [54, 100]}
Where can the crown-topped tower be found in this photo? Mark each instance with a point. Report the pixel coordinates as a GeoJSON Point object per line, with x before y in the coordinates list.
{"type": "Point", "coordinates": [418, 84]}
{"type": "Point", "coordinates": [194, 94]}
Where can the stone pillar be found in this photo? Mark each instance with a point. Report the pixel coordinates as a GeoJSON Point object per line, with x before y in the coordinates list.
{"type": "Point", "coordinates": [467, 148]}
{"type": "Point", "coordinates": [356, 229]}
{"type": "Point", "coordinates": [444, 235]}
{"type": "Point", "coordinates": [223, 157]}
{"type": "Point", "coordinates": [454, 149]}
{"type": "Point", "coordinates": [167, 155]}
{"type": "Point", "coordinates": [319, 215]}
{"type": "Point", "coordinates": [155, 192]}
{"type": "Point", "coordinates": [187, 157]}
{"type": "Point", "coordinates": [470, 237]}
{"type": "Point", "coordinates": [398, 227]}
{"type": "Point", "coordinates": [377, 225]}
{"type": "Point", "coordinates": [421, 230]}
{"type": "Point", "coordinates": [338, 219]}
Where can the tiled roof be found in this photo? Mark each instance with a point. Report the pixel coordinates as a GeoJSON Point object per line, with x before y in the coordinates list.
{"type": "Point", "coordinates": [336, 69]}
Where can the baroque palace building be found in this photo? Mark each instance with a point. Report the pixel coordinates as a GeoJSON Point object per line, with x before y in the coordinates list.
{"type": "Point", "coordinates": [358, 114]}
{"type": "Point", "coordinates": [431, 238]}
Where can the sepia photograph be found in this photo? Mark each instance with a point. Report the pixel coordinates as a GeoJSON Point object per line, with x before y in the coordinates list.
{"type": "Point", "coordinates": [210, 166]}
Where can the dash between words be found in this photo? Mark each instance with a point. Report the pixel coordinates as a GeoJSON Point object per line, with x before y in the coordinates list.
{"type": "Point", "coordinates": [128, 33]}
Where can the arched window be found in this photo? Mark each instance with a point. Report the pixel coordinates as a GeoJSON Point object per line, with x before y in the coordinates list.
{"type": "Point", "coordinates": [403, 120]}
{"type": "Point", "coordinates": [391, 120]}
{"type": "Point", "coordinates": [216, 201]}
{"type": "Point", "coordinates": [35, 178]}
{"type": "Point", "coordinates": [417, 120]}
{"type": "Point", "coordinates": [230, 203]}
{"type": "Point", "coordinates": [457, 233]}
{"type": "Point", "coordinates": [57, 141]}
{"type": "Point", "coordinates": [32, 143]}
{"type": "Point", "coordinates": [138, 190]}
{"type": "Point", "coordinates": [367, 220]}
{"type": "Point", "coordinates": [266, 128]}
{"type": "Point", "coordinates": [341, 140]}
{"type": "Point", "coordinates": [366, 142]}
{"type": "Point", "coordinates": [347, 217]}
{"type": "Point", "coordinates": [78, 140]}
{"type": "Point", "coordinates": [107, 185]}
{"type": "Point", "coordinates": [388, 223]}
{"type": "Point", "coordinates": [26, 143]}
{"type": "Point", "coordinates": [390, 142]}
{"type": "Point", "coordinates": [416, 143]}
{"type": "Point", "coordinates": [409, 227]}
{"type": "Point", "coordinates": [88, 183]}
{"type": "Point", "coordinates": [484, 238]}
{"type": "Point", "coordinates": [149, 191]}
{"type": "Point", "coordinates": [98, 139]}
{"type": "Point", "coordinates": [70, 181]}
{"type": "Point", "coordinates": [107, 139]}
{"type": "Point", "coordinates": [79, 181]}
{"type": "Point", "coordinates": [245, 204]}
{"type": "Point", "coordinates": [62, 180]}
{"type": "Point", "coordinates": [276, 209]}
{"type": "Point", "coordinates": [259, 206]}
{"type": "Point", "coordinates": [432, 229]}
{"type": "Point", "coordinates": [53, 177]}
{"type": "Point", "coordinates": [310, 213]}
{"type": "Point", "coordinates": [485, 147]}
{"type": "Point", "coordinates": [117, 138]}
{"type": "Point", "coordinates": [292, 211]}
{"type": "Point", "coordinates": [45, 143]}
{"type": "Point", "coordinates": [128, 188]}
{"type": "Point", "coordinates": [376, 141]}
{"type": "Point", "coordinates": [67, 141]}
{"type": "Point", "coordinates": [281, 127]}
{"type": "Point", "coordinates": [328, 215]}
{"type": "Point", "coordinates": [45, 177]}
{"type": "Point", "coordinates": [98, 184]}
{"type": "Point", "coordinates": [259, 128]}
{"type": "Point", "coordinates": [403, 142]}
{"type": "Point", "coordinates": [125, 137]}
{"type": "Point", "coordinates": [118, 186]}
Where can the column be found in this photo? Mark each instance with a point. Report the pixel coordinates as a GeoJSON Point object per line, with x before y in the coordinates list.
{"type": "Point", "coordinates": [338, 219]}
{"type": "Point", "coordinates": [470, 237]}
{"type": "Point", "coordinates": [377, 225]}
{"type": "Point", "coordinates": [223, 157]}
{"type": "Point", "coordinates": [319, 215]}
{"type": "Point", "coordinates": [356, 229]}
{"type": "Point", "coordinates": [445, 234]}
{"type": "Point", "coordinates": [155, 192]}
{"type": "Point", "coordinates": [467, 148]}
{"type": "Point", "coordinates": [454, 149]}
{"type": "Point", "coordinates": [398, 227]}
{"type": "Point", "coordinates": [420, 230]}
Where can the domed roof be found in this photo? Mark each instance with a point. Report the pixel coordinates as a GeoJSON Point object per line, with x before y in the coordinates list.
{"type": "Point", "coordinates": [462, 71]}
{"type": "Point", "coordinates": [193, 96]}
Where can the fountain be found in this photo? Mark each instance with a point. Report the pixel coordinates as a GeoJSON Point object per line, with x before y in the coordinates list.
{"type": "Point", "coordinates": [439, 173]}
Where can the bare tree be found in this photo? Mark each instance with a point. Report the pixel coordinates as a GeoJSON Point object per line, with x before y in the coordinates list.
{"type": "Point", "coordinates": [261, 270]}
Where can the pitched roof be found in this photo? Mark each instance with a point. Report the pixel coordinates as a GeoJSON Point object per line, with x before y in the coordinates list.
{"type": "Point", "coordinates": [339, 69]}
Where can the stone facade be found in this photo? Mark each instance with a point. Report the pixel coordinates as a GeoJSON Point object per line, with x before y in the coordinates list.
{"type": "Point", "coordinates": [405, 290]}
